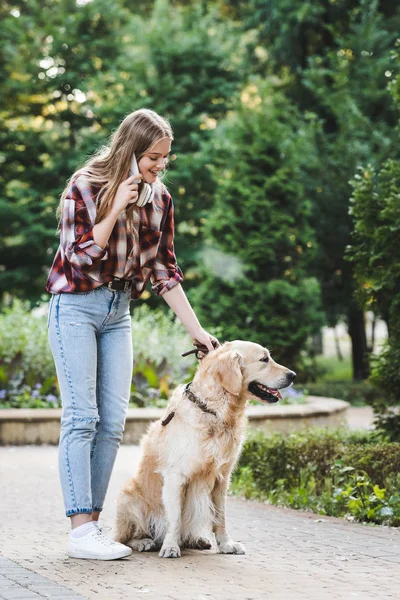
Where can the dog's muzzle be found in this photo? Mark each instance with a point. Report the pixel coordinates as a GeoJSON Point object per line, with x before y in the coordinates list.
{"type": "Point", "coordinates": [264, 393]}
{"type": "Point", "coordinates": [268, 394]}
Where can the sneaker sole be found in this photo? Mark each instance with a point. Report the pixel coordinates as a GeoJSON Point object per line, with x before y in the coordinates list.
{"type": "Point", "coordinates": [94, 556]}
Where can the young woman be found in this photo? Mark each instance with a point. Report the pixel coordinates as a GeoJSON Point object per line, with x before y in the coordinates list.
{"type": "Point", "coordinates": [113, 240]}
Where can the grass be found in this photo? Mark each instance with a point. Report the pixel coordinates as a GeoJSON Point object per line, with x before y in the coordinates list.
{"type": "Point", "coordinates": [334, 369]}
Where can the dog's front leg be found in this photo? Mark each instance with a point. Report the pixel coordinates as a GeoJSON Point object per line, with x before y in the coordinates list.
{"type": "Point", "coordinates": [225, 544]}
{"type": "Point", "coordinates": [172, 500]}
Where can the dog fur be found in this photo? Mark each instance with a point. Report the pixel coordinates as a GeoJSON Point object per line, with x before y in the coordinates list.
{"type": "Point", "coordinates": [177, 497]}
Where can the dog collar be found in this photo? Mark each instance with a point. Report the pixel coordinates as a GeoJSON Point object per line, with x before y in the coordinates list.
{"type": "Point", "coordinates": [193, 398]}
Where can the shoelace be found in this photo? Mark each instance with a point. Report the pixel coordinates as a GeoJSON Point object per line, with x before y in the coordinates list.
{"type": "Point", "coordinates": [103, 538]}
{"type": "Point", "coordinates": [102, 528]}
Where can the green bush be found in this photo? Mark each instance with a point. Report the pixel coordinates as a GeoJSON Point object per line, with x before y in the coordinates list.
{"type": "Point", "coordinates": [332, 473]}
{"type": "Point", "coordinates": [259, 284]}
{"type": "Point", "coordinates": [158, 342]}
{"type": "Point", "coordinates": [24, 349]}
{"type": "Point", "coordinates": [376, 256]}
{"type": "Point", "coordinates": [27, 372]}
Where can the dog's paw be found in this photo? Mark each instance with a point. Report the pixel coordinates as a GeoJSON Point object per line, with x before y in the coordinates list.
{"type": "Point", "coordinates": [170, 551]}
{"type": "Point", "coordinates": [231, 548]}
{"type": "Point", "coordinates": [147, 545]}
{"type": "Point", "coordinates": [199, 543]}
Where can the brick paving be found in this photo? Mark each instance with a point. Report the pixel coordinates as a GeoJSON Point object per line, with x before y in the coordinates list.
{"type": "Point", "coordinates": [18, 582]}
{"type": "Point", "coordinates": [291, 555]}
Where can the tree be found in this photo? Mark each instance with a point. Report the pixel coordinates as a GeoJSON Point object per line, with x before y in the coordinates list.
{"type": "Point", "coordinates": [186, 63]}
{"type": "Point", "coordinates": [260, 244]}
{"type": "Point", "coordinates": [334, 60]}
{"type": "Point", "coordinates": [50, 52]}
{"type": "Point", "coordinates": [375, 253]}
{"type": "Point", "coordinates": [78, 71]}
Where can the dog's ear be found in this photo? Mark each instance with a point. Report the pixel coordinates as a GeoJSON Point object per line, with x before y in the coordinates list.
{"type": "Point", "coordinates": [229, 371]}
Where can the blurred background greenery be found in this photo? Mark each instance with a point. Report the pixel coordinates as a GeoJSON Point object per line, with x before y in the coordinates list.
{"type": "Point", "coordinates": [285, 175]}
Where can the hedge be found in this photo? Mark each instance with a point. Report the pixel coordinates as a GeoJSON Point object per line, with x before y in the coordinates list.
{"type": "Point", "coordinates": [334, 473]}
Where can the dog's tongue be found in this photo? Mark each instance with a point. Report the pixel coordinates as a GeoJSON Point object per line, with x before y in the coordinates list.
{"type": "Point", "coordinates": [275, 393]}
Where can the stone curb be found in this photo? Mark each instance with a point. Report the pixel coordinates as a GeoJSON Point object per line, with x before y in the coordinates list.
{"type": "Point", "coordinates": [42, 426]}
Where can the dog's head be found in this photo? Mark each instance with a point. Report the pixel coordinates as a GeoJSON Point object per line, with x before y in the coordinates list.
{"type": "Point", "coordinates": [248, 370]}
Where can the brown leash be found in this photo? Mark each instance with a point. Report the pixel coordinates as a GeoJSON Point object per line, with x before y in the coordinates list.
{"type": "Point", "coordinates": [168, 419]}
{"type": "Point", "coordinates": [199, 348]}
{"type": "Point", "coordinates": [187, 391]}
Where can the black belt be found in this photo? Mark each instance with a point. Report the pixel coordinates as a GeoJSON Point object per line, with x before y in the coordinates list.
{"type": "Point", "coordinates": [119, 285]}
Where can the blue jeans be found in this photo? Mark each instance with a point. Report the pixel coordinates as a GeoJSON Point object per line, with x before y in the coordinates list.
{"type": "Point", "coordinates": [91, 341]}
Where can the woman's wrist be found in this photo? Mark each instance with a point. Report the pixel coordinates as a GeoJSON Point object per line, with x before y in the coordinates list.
{"type": "Point", "coordinates": [194, 330]}
{"type": "Point", "coordinates": [177, 300]}
{"type": "Point", "coordinates": [114, 213]}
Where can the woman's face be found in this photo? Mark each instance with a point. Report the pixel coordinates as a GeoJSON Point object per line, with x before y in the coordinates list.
{"type": "Point", "coordinates": [154, 160]}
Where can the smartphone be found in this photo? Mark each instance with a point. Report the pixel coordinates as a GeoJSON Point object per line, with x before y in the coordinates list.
{"type": "Point", "coordinates": [145, 190]}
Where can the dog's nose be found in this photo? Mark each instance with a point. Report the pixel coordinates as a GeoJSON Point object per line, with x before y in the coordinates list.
{"type": "Point", "coordinates": [292, 375]}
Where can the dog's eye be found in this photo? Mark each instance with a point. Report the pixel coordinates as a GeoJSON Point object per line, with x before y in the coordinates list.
{"type": "Point", "coordinates": [265, 359]}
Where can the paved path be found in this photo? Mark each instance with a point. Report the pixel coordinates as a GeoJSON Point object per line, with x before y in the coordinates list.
{"type": "Point", "coordinates": [290, 555]}
{"type": "Point", "coordinates": [360, 417]}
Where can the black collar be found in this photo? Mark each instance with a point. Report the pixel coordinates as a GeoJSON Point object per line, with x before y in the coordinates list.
{"type": "Point", "coordinates": [193, 398]}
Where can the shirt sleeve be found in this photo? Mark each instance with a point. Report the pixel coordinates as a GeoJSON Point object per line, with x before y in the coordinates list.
{"type": "Point", "coordinates": [78, 220]}
{"type": "Point", "coordinates": [166, 273]}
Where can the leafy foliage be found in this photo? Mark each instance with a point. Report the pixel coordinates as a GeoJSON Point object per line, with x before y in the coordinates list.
{"type": "Point", "coordinates": [27, 372]}
{"type": "Point", "coordinates": [260, 244]}
{"type": "Point", "coordinates": [303, 82]}
{"type": "Point", "coordinates": [333, 60]}
{"type": "Point", "coordinates": [79, 69]}
{"type": "Point", "coordinates": [51, 52]}
{"type": "Point", "coordinates": [333, 473]}
{"type": "Point", "coordinates": [375, 253]}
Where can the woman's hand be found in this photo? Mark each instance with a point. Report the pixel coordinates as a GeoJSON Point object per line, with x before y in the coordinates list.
{"type": "Point", "coordinates": [176, 299]}
{"type": "Point", "coordinates": [201, 336]}
{"type": "Point", "coordinates": [127, 193]}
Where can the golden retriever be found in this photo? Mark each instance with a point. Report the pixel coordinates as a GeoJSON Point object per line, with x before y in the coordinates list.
{"type": "Point", "coordinates": [177, 497]}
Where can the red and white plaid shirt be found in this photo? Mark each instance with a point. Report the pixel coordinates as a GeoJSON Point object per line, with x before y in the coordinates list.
{"type": "Point", "coordinates": [80, 265]}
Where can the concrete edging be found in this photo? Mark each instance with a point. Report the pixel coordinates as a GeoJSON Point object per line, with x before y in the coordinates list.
{"type": "Point", "coordinates": [42, 425]}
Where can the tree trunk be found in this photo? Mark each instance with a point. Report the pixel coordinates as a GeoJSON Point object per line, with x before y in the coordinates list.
{"type": "Point", "coordinates": [317, 344]}
{"type": "Point", "coordinates": [373, 330]}
{"type": "Point", "coordinates": [359, 349]}
{"type": "Point", "coordinates": [337, 345]}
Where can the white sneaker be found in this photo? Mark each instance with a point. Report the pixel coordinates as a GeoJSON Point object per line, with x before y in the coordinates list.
{"type": "Point", "coordinates": [97, 546]}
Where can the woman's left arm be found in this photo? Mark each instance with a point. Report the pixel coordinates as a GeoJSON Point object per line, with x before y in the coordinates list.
{"type": "Point", "coordinates": [166, 278]}
{"type": "Point", "coordinates": [178, 302]}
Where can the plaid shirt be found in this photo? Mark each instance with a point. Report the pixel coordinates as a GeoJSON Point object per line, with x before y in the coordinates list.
{"type": "Point", "coordinates": [80, 265]}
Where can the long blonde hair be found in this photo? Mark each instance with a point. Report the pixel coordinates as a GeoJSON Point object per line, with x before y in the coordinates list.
{"type": "Point", "coordinates": [107, 168]}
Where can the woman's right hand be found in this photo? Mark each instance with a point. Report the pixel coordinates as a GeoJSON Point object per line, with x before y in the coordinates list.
{"type": "Point", "coordinates": [127, 193]}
